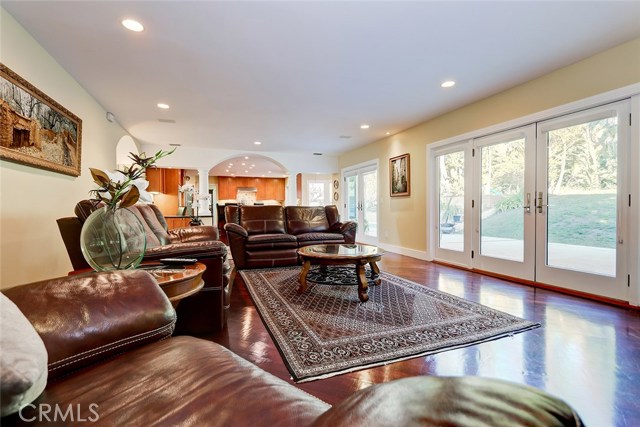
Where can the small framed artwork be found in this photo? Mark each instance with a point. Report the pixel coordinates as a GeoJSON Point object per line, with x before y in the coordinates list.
{"type": "Point", "coordinates": [400, 175]}
{"type": "Point", "coordinates": [35, 130]}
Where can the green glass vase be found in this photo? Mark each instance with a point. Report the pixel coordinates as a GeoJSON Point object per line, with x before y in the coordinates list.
{"type": "Point", "coordinates": [113, 239]}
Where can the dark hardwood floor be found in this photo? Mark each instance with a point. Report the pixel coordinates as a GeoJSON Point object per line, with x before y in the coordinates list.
{"type": "Point", "coordinates": [586, 352]}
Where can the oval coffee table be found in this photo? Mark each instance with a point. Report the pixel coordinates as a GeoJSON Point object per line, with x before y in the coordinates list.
{"type": "Point", "coordinates": [342, 254]}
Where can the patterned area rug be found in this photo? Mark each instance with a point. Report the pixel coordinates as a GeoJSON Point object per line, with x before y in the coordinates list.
{"type": "Point", "coordinates": [327, 330]}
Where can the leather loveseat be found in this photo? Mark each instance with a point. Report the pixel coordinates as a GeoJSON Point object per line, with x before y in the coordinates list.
{"type": "Point", "coordinates": [202, 313]}
{"type": "Point", "coordinates": [113, 362]}
{"type": "Point", "coordinates": [269, 236]}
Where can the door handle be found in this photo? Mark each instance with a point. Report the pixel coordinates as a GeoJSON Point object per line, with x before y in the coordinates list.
{"type": "Point", "coordinates": [540, 205]}
{"type": "Point", "coordinates": [527, 207]}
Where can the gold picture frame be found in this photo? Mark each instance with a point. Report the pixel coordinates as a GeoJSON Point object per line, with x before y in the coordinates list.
{"type": "Point", "coordinates": [35, 130]}
{"type": "Point", "coordinates": [400, 175]}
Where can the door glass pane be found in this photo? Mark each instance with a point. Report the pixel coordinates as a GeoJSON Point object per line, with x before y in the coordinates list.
{"type": "Point", "coordinates": [370, 203]}
{"type": "Point", "coordinates": [582, 197]}
{"type": "Point", "coordinates": [451, 201]}
{"type": "Point", "coordinates": [352, 198]}
{"type": "Point", "coordinates": [501, 202]}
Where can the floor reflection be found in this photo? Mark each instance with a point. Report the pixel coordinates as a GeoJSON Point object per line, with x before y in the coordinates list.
{"type": "Point", "coordinates": [586, 353]}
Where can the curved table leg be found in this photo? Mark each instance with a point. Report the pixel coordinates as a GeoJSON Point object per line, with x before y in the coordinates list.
{"type": "Point", "coordinates": [375, 273]}
{"type": "Point", "coordinates": [303, 276]}
{"type": "Point", "coordinates": [363, 285]}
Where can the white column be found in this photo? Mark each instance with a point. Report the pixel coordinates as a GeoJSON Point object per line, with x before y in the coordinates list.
{"type": "Point", "coordinates": [290, 191]}
{"type": "Point", "coordinates": [203, 190]}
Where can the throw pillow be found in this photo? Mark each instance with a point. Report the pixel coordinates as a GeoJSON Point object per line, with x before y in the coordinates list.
{"type": "Point", "coordinates": [23, 359]}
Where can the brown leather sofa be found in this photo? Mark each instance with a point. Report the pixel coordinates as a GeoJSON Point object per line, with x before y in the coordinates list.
{"type": "Point", "coordinates": [269, 236]}
{"type": "Point", "coordinates": [202, 313]}
{"type": "Point", "coordinates": [113, 362]}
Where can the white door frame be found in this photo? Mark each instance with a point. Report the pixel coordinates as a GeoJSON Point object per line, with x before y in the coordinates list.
{"type": "Point", "coordinates": [358, 169]}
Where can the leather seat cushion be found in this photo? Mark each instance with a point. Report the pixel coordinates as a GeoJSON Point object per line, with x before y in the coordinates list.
{"type": "Point", "coordinates": [271, 258]}
{"type": "Point", "coordinates": [271, 241]}
{"type": "Point", "coordinates": [182, 381]}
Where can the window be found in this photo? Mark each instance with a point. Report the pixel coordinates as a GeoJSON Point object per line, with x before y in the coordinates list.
{"type": "Point", "coordinates": [319, 193]}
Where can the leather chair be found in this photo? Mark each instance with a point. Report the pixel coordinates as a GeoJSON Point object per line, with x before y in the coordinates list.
{"type": "Point", "coordinates": [200, 314]}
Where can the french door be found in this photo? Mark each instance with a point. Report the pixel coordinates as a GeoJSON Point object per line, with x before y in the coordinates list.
{"type": "Point", "coordinates": [582, 201]}
{"type": "Point", "coordinates": [453, 225]}
{"type": "Point", "coordinates": [361, 201]}
{"type": "Point", "coordinates": [504, 187]}
{"type": "Point", "coordinates": [547, 202]}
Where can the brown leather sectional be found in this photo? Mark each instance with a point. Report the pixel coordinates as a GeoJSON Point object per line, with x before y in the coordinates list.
{"type": "Point", "coordinates": [202, 313]}
{"type": "Point", "coordinates": [269, 236]}
{"type": "Point", "coordinates": [113, 362]}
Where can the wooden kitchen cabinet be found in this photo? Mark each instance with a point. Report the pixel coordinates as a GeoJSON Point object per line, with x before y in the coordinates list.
{"type": "Point", "coordinates": [156, 180]}
{"type": "Point", "coordinates": [172, 181]}
{"type": "Point", "coordinates": [267, 188]}
{"type": "Point", "coordinates": [165, 181]}
{"type": "Point", "coordinates": [227, 188]}
{"type": "Point", "coordinates": [177, 222]}
{"type": "Point", "coordinates": [164, 184]}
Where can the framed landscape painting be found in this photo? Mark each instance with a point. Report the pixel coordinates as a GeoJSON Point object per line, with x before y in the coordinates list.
{"type": "Point", "coordinates": [400, 174]}
{"type": "Point", "coordinates": [35, 130]}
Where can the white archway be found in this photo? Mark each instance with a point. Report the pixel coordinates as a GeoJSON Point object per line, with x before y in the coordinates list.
{"type": "Point", "coordinates": [125, 145]}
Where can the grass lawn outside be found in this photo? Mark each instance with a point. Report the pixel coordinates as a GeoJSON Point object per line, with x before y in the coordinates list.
{"type": "Point", "coordinates": [573, 219]}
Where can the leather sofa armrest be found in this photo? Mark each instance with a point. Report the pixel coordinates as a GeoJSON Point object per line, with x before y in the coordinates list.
{"type": "Point", "coordinates": [199, 233]}
{"type": "Point", "coordinates": [347, 229]}
{"type": "Point", "coordinates": [85, 318]}
{"type": "Point", "coordinates": [237, 237]}
{"type": "Point", "coordinates": [451, 401]}
{"type": "Point", "coordinates": [193, 249]}
{"type": "Point", "coordinates": [235, 228]}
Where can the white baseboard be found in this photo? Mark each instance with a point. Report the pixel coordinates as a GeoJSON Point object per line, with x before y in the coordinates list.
{"type": "Point", "coordinates": [413, 253]}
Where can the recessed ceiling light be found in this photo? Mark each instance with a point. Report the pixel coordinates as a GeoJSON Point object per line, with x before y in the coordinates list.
{"type": "Point", "coordinates": [246, 171]}
{"type": "Point", "coordinates": [257, 142]}
{"type": "Point", "coordinates": [227, 170]}
{"type": "Point", "coordinates": [244, 164]}
{"type": "Point", "coordinates": [230, 164]}
{"type": "Point", "coordinates": [388, 133]}
{"type": "Point", "coordinates": [246, 157]}
{"type": "Point", "coordinates": [448, 83]}
{"type": "Point", "coordinates": [132, 25]}
{"type": "Point", "coordinates": [268, 171]}
{"type": "Point", "coordinates": [364, 126]}
{"type": "Point", "coordinates": [163, 105]}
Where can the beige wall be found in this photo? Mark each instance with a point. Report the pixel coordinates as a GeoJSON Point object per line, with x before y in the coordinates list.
{"type": "Point", "coordinates": [31, 199]}
{"type": "Point", "coordinates": [403, 220]}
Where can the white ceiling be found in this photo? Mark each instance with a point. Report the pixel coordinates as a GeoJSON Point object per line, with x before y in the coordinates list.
{"type": "Point", "coordinates": [299, 75]}
{"type": "Point", "coordinates": [249, 165]}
